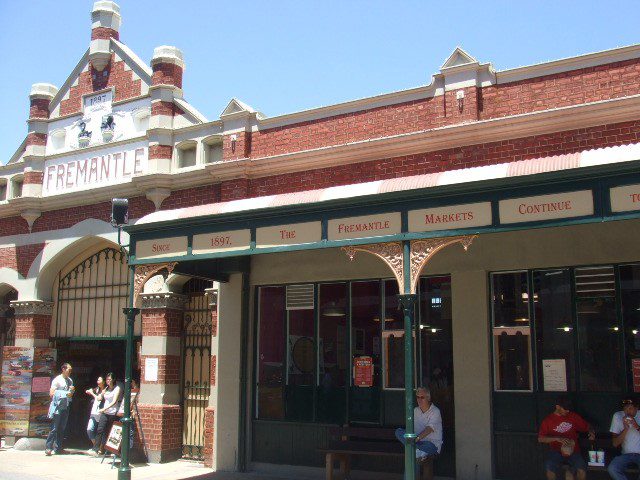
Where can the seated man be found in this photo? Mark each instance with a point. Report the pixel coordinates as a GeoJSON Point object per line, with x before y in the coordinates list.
{"type": "Point", "coordinates": [427, 423]}
{"type": "Point", "coordinates": [625, 426]}
{"type": "Point", "coordinates": [560, 430]}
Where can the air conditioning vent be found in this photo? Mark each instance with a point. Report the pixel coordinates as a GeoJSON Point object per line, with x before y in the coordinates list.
{"type": "Point", "coordinates": [300, 297]}
{"type": "Point", "coordinates": [595, 282]}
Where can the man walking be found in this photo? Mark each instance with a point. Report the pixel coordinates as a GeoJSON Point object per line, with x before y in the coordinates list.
{"type": "Point", "coordinates": [625, 426]}
{"type": "Point", "coordinates": [61, 392]}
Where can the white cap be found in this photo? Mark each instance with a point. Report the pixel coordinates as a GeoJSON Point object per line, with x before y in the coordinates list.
{"type": "Point", "coordinates": [168, 54]}
{"type": "Point", "coordinates": [43, 90]}
{"type": "Point", "coordinates": [106, 14]}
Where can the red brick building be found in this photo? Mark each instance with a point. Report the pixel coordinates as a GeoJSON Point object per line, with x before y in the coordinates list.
{"type": "Point", "coordinates": [551, 145]}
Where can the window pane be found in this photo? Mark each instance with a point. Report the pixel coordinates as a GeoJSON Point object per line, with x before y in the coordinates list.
{"type": "Point", "coordinates": [393, 316]}
{"type": "Point", "coordinates": [511, 331]}
{"type": "Point", "coordinates": [599, 335]}
{"type": "Point", "coordinates": [333, 355]}
{"type": "Point", "coordinates": [554, 324]}
{"type": "Point", "coordinates": [270, 389]}
{"type": "Point", "coordinates": [630, 289]}
{"type": "Point", "coordinates": [436, 343]}
{"type": "Point", "coordinates": [300, 365]}
{"type": "Point", "coordinates": [366, 305]}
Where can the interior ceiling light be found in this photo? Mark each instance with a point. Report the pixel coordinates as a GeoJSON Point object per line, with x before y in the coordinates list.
{"type": "Point", "coordinates": [332, 310]}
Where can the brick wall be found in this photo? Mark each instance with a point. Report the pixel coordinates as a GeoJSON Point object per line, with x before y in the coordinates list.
{"type": "Point", "coordinates": [161, 322]}
{"type": "Point", "coordinates": [209, 431]}
{"type": "Point", "coordinates": [20, 258]}
{"type": "Point", "coordinates": [39, 108]}
{"type": "Point", "coordinates": [32, 326]}
{"type": "Point", "coordinates": [552, 91]}
{"type": "Point", "coordinates": [165, 108]}
{"type": "Point", "coordinates": [168, 369]}
{"type": "Point", "coordinates": [167, 74]}
{"type": "Point", "coordinates": [162, 426]}
{"type": "Point", "coordinates": [92, 80]}
{"type": "Point", "coordinates": [104, 33]}
{"type": "Point", "coordinates": [33, 178]}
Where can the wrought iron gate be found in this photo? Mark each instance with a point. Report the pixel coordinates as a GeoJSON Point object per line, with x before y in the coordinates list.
{"type": "Point", "coordinates": [196, 341]}
{"type": "Point", "coordinates": [91, 297]}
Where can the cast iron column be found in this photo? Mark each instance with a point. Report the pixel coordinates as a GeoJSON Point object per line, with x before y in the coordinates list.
{"type": "Point", "coordinates": [124, 472]}
{"type": "Point", "coordinates": [407, 301]}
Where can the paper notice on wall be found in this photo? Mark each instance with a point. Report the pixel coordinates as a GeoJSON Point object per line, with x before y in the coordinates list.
{"type": "Point", "coordinates": [151, 369]}
{"type": "Point", "coordinates": [554, 373]}
{"type": "Point", "coordinates": [635, 369]}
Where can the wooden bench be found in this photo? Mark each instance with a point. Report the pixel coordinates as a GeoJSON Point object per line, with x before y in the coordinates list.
{"type": "Point", "coordinates": [346, 442]}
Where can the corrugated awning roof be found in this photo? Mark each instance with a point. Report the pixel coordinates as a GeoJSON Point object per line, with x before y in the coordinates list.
{"type": "Point", "coordinates": [586, 158]}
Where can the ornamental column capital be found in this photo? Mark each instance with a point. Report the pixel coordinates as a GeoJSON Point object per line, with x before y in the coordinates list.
{"type": "Point", "coordinates": [32, 307]}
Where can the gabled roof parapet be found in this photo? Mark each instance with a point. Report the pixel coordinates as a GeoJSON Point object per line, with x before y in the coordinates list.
{"type": "Point", "coordinates": [235, 107]}
{"type": "Point", "coordinates": [458, 58]}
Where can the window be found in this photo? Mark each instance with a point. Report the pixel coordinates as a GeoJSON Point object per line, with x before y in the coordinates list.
{"type": "Point", "coordinates": [586, 322]}
{"type": "Point", "coordinates": [511, 331]}
{"type": "Point", "coordinates": [186, 153]}
{"type": "Point", "coordinates": [16, 187]}
{"type": "Point", "coordinates": [3, 190]}
{"type": "Point", "coordinates": [555, 328]}
{"type": "Point", "coordinates": [393, 337]}
{"type": "Point", "coordinates": [599, 334]}
{"type": "Point", "coordinates": [212, 149]}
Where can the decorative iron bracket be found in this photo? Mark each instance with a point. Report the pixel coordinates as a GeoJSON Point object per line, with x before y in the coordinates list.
{"type": "Point", "coordinates": [390, 253]}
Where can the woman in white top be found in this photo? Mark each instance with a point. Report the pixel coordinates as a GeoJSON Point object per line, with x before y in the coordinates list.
{"type": "Point", "coordinates": [111, 396]}
{"type": "Point", "coordinates": [94, 416]}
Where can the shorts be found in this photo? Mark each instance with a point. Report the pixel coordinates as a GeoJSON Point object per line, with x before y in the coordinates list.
{"type": "Point", "coordinates": [555, 460]}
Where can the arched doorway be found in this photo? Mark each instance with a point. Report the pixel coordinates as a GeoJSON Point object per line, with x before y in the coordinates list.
{"type": "Point", "coordinates": [88, 327]}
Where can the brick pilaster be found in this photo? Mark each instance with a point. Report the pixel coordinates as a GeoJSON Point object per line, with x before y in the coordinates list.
{"type": "Point", "coordinates": [159, 405]}
{"type": "Point", "coordinates": [209, 414]}
{"type": "Point", "coordinates": [33, 323]}
{"type": "Point", "coordinates": [236, 145]}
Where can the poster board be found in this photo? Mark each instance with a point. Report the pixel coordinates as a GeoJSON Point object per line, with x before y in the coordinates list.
{"type": "Point", "coordinates": [15, 390]}
{"type": "Point", "coordinates": [114, 439]}
{"type": "Point", "coordinates": [44, 364]}
{"type": "Point", "coordinates": [554, 374]}
{"type": "Point", "coordinates": [363, 371]}
{"type": "Point", "coordinates": [635, 369]}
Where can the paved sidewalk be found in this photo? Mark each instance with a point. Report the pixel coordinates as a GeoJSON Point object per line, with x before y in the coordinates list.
{"type": "Point", "coordinates": [35, 465]}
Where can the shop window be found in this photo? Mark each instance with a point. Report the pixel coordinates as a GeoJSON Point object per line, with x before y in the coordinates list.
{"type": "Point", "coordinates": [511, 331]}
{"type": "Point", "coordinates": [555, 329]}
{"type": "Point", "coordinates": [301, 364]}
{"type": "Point", "coordinates": [333, 355]}
{"type": "Point", "coordinates": [271, 361]}
{"type": "Point", "coordinates": [436, 343]}
{"type": "Point", "coordinates": [599, 332]}
{"type": "Point", "coordinates": [212, 149]}
{"type": "Point", "coordinates": [186, 153]}
{"type": "Point", "coordinates": [630, 296]}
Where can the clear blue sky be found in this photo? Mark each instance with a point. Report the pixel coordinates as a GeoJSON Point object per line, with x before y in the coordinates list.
{"type": "Point", "coordinates": [285, 56]}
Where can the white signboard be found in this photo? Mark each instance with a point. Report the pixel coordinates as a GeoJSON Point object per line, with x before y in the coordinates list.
{"type": "Point", "coordinates": [546, 207]}
{"type": "Point", "coordinates": [151, 369]}
{"type": "Point", "coordinates": [164, 247]}
{"type": "Point", "coordinates": [85, 170]}
{"type": "Point", "coordinates": [554, 374]}
{"type": "Point", "coordinates": [625, 199]}
{"type": "Point", "coordinates": [450, 217]}
{"type": "Point", "coordinates": [293, 234]}
{"type": "Point", "coordinates": [221, 241]}
{"type": "Point", "coordinates": [364, 227]}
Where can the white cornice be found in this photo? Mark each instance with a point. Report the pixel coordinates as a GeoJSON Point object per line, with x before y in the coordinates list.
{"type": "Point", "coordinates": [567, 64]}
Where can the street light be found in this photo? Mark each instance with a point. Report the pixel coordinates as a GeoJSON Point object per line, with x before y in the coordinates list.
{"type": "Point", "coordinates": [120, 217]}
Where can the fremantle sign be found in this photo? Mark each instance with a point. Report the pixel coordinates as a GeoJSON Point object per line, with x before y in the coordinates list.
{"type": "Point", "coordinates": [84, 170]}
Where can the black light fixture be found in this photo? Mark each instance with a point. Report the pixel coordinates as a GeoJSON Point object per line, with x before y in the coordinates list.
{"type": "Point", "coordinates": [119, 212]}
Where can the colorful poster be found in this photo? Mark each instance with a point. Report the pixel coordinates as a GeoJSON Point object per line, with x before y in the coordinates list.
{"type": "Point", "coordinates": [363, 371]}
{"type": "Point", "coordinates": [15, 390]}
{"type": "Point", "coordinates": [44, 364]}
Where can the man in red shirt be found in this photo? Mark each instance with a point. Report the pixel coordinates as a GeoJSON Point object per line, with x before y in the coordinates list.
{"type": "Point", "coordinates": [560, 430]}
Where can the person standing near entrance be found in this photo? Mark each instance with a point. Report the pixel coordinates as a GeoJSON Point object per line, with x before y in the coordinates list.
{"type": "Point", "coordinates": [60, 392]}
{"type": "Point", "coordinates": [560, 431]}
{"type": "Point", "coordinates": [97, 404]}
{"type": "Point", "coordinates": [427, 424]}
{"type": "Point", "coordinates": [108, 412]}
{"type": "Point", "coordinates": [625, 427]}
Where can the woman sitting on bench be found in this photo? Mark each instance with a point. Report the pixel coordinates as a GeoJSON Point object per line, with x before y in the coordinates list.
{"type": "Point", "coordinates": [427, 423]}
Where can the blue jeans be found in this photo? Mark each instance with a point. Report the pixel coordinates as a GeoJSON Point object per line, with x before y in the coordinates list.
{"type": "Point", "coordinates": [555, 460]}
{"type": "Point", "coordinates": [92, 428]}
{"type": "Point", "coordinates": [423, 445]}
{"type": "Point", "coordinates": [620, 463]}
{"type": "Point", "coordinates": [56, 435]}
